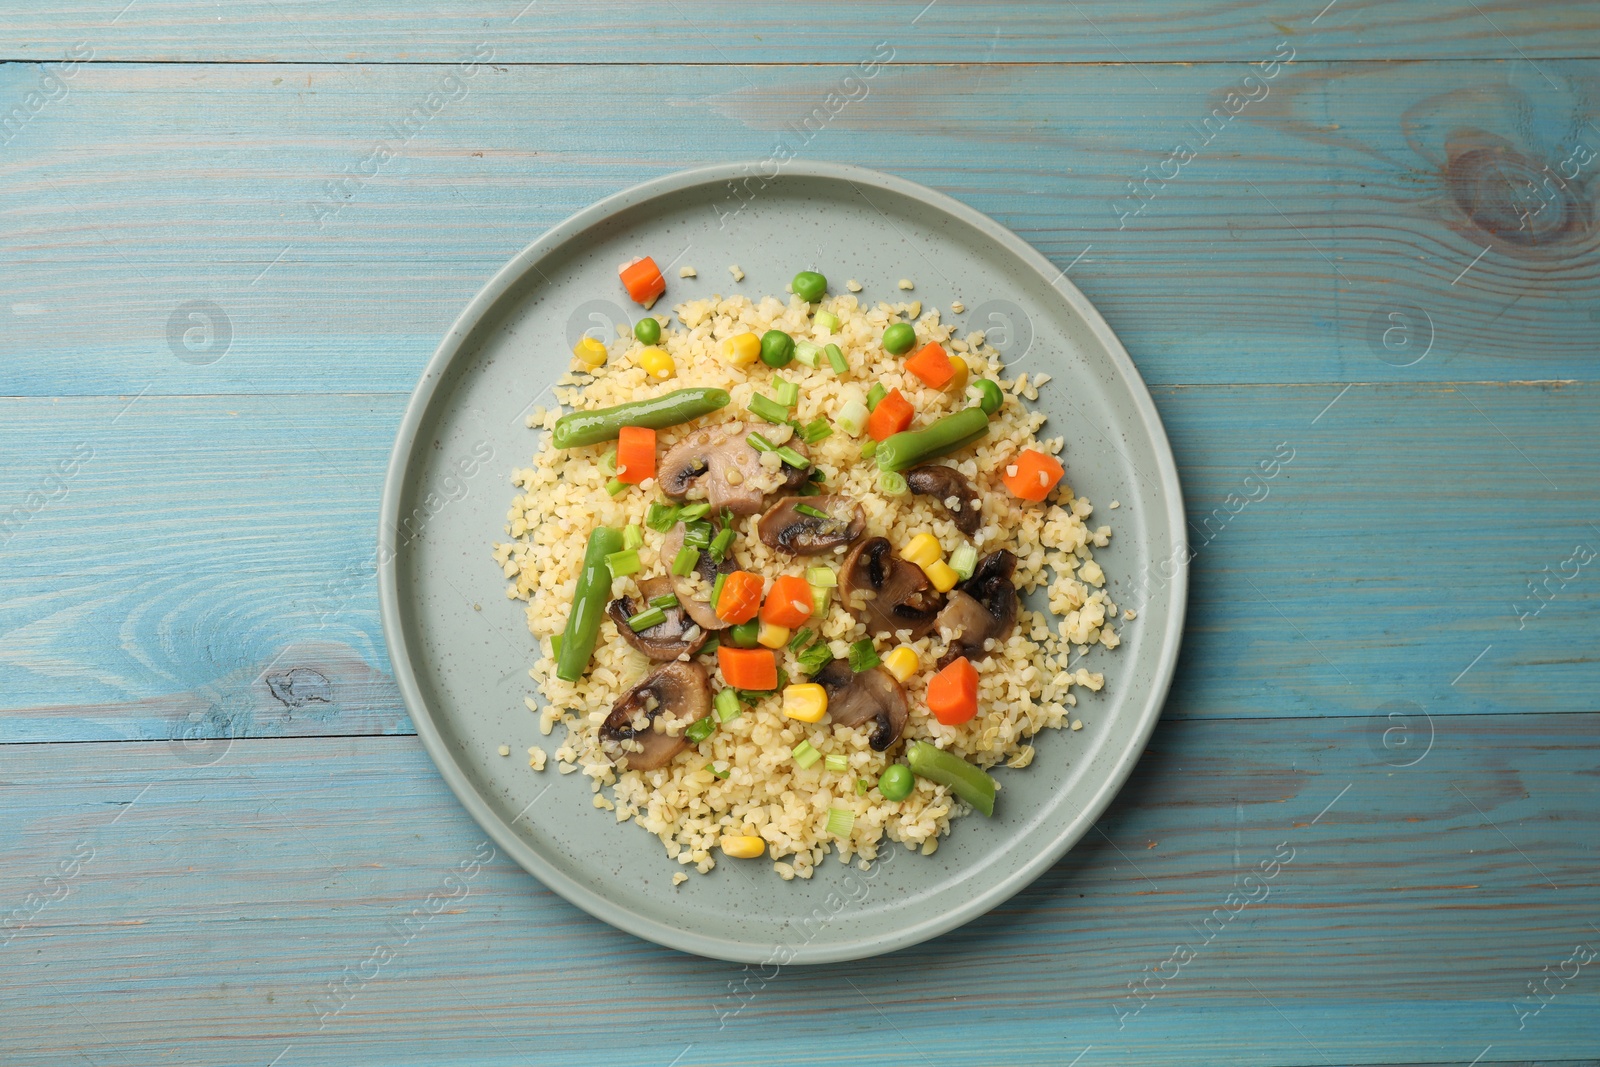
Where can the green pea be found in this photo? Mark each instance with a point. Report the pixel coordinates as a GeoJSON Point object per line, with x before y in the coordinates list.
{"type": "Point", "coordinates": [810, 286]}
{"type": "Point", "coordinates": [777, 348]}
{"type": "Point", "coordinates": [899, 338]}
{"type": "Point", "coordinates": [990, 398]}
{"type": "Point", "coordinates": [895, 782]}
{"type": "Point", "coordinates": [744, 634]}
{"type": "Point", "coordinates": [648, 331]}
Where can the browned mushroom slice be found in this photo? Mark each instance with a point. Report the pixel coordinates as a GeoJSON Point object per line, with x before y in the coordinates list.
{"type": "Point", "coordinates": [631, 734]}
{"type": "Point", "coordinates": [699, 610]}
{"type": "Point", "coordinates": [951, 488]}
{"type": "Point", "coordinates": [724, 463]}
{"type": "Point", "coordinates": [668, 640]}
{"type": "Point", "coordinates": [873, 695]}
{"type": "Point", "coordinates": [887, 593]}
{"type": "Point", "coordinates": [982, 607]}
{"type": "Point", "coordinates": [791, 525]}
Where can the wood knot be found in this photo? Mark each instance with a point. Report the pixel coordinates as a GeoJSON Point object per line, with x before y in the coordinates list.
{"type": "Point", "coordinates": [301, 686]}
{"type": "Point", "coordinates": [1514, 199]}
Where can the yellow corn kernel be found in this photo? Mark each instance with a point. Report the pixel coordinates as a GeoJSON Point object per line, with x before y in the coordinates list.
{"type": "Point", "coordinates": [923, 550]}
{"type": "Point", "coordinates": [741, 350]}
{"type": "Point", "coordinates": [902, 663]}
{"type": "Point", "coordinates": [770, 636]}
{"type": "Point", "coordinates": [942, 575]}
{"type": "Point", "coordinates": [958, 381]}
{"type": "Point", "coordinates": [805, 702]}
{"type": "Point", "coordinates": [742, 847]}
{"type": "Point", "coordinates": [591, 352]}
{"type": "Point", "coordinates": [657, 363]}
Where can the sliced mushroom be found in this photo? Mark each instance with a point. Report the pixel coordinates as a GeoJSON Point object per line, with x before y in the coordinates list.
{"type": "Point", "coordinates": [633, 734]}
{"type": "Point", "coordinates": [787, 527]}
{"type": "Point", "coordinates": [664, 641]}
{"type": "Point", "coordinates": [951, 488]}
{"type": "Point", "coordinates": [873, 694]}
{"type": "Point", "coordinates": [982, 607]}
{"type": "Point", "coordinates": [726, 465]}
{"type": "Point", "coordinates": [699, 610]}
{"type": "Point", "coordinates": [887, 593]}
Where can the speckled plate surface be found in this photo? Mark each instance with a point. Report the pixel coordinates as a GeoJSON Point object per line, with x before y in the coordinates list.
{"type": "Point", "coordinates": [461, 649]}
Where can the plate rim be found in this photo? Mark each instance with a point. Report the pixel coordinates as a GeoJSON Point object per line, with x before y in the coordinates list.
{"type": "Point", "coordinates": [417, 709]}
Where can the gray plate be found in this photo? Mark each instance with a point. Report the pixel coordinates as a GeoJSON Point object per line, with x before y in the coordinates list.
{"type": "Point", "coordinates": [461, 650]}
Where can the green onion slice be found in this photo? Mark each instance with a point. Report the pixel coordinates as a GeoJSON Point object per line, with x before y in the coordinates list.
{"type": "Point", "coordinates": [863, 657]}
{"type": "Point", "coordinates": [646, 619]}
{"type": "Point", "coordinates": [683, 563]}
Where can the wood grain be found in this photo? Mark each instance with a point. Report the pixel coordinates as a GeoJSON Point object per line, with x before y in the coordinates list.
{"type": "Point", "coordinates": [963, 31]}
{"type": "Point", "coordinates": [1348, 194]}
{"type": "Point", "coordinates": [218, 902]}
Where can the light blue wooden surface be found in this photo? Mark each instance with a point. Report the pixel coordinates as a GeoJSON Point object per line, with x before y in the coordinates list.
{"type": "Point", "coordinates": [214, 810]}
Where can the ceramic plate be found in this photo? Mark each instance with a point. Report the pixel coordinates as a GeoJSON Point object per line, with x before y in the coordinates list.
{"type": "Point", "coordinates": [461, 650]}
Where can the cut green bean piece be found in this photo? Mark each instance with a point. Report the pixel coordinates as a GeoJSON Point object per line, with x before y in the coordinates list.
{"type": "Point", "coordinates": [966, 781]}
{"type": "Point", "coordinates": [905, 450]}
{"type": "Point", "coordinates": [588, 604]}
{"type": "Point", "coordinates": [657, 413]}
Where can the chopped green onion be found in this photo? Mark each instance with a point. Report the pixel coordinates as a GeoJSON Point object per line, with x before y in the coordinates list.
{"type": "Point", "coordinates": [710, 647]}
{"type": "Point", "coordinates": [852, 418]}
{"type": "Point", "coordinates": [768, 409]}
{"type": "Point", "coordinates": [807, 509]}
{"type": "Point", "coordinates": [666, 600]}
{"type": "Point", "coordinates": [660, 517]}
{"type": "Point", "coordinates": [683, 563]}
{"type": "Point", "coordinates": [836, 359]}
{"type": "Point", "coordinates": [869, 448]}
{"type": "Point", "coordinates": [800, 637]}
{"type": "Point", "coordinates": [875, 394]}
{"type": "Point", "coordinates": [623, 563]}
{"type": "Point", "coordinates": [836, 764]}
{"type": "Point", "coordinates": [862, 785]}
{"type": "Point", "coordinates": [786, 393]}
{"type": "Point", "coordinates": [816, 657]}
{"type": "Point", "coordinates": [632, 536]}
{"type": "Point", "coordinates": [608, 462]}
{"type": "Point", "coordinates": [891, 482]}
{"type": "Point", "coordinates": [714, 772]}
{"type": "Point", "coordinates": [841, 821]}
{"type": "Point", "coordinates": [817, 475]}
{"type": "Point", "coordinates": [697, 534]}
{"type": "Point", "coordinates": [863, 657]}
{"type": "Point", "coordinates": [616, 486]}
{"type": "Point", "coordinates": [827, 320]}
{"type": "Point", "coordinates": [555, 645]}
{"type": "Point", "coordinates": [807, 352]}
{"type": "Point", "coordinates": [822, 577]}
{"type": "Point", "coordinates": [783, 679]}
{"type": "Point", "coordinates": [805, 754]}
{"type": "Point", "coordinates": [727, 516]}
{"type": "Point", "coordinates": [750, 696]}
{"type": "Point", "coordinates": [760, 444]}
{"type": "Point", "coordinates": [646, 619]}
{"type": "Point", "coordinates": [809, 489]}
{"type": "Point", "coordinates": [716, 589]}
{"type": "Point", "coordinates": [720, 544]}
{"type": "Point", "coordinates": [727, 705]}
{"type": "Point", "coordinates": [700, 729]}
{"type": "Point", "coordinates": [819, 600]}
{"type": "Point", "coordinates": [691, 512]}
{"type": "Point", "coordinates": [793, 458]}
{"type": "Point", "coordinates": [964, 560]}
{"type": "Point", "coordinates": [816, 430]}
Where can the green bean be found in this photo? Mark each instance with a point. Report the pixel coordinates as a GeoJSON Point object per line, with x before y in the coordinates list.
{"type": "Point", "coordinates": [648, 331]}
{"type": "Point", "coordinates": [990, 398]}
{"type": "Point", "coordinates": [658, 412]}
{"type": "Point", "coordinates": [809, 286]}
{"type": "Point", "coordinates": [966, 781]}
{"type": "Point", "coordinates": [905, 450]}
{"type": "Point", "coordinates": [777, 348]}
{"type": "Point", "coordinates": [588, 604]}
{"type": "Point", "coordinates": [898, 339]}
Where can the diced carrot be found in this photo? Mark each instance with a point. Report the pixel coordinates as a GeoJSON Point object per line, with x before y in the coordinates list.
{"type": "Point", "coordinates": [892, 415]}
{"type": "Point", "coordinates": [932, 365]}
{"type": "Point", "coordinates": [643, 280]}
{"type": "Point", "coordinates": [953, 693]}
{"type": "Point", "coordinates": [636, 454]}
{"type": "Point", "coordinates": [1032, 474]}
{"type": "Point", "coordinates": [741, 597]}
{"type": "Point", "coordinates": [748, 668]}
{"type": "Point", "coordinates": [789, 602]}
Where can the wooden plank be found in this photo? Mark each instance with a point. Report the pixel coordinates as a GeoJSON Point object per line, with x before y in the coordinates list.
{"type": "Point", "coordinates": [1281, 253]}
{"type": "Point", "coordinates": [213, 544]}
{"type": "Point", "coordinates": [210, 908]}
{"type": "Point", "coordinates": [965, 31]}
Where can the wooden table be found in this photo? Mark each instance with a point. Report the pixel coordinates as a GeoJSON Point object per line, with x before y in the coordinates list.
{"type": "Point", "coordinates": [222, 842]}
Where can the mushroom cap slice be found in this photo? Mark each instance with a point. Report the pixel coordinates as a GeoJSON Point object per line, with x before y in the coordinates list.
{"type": "Point", "coordinates": [945, 484]}
{"type": "Point", "coordinates": [699, 610]}
{"type": "Point", "coordinates": [664, 641]}
{"type": "Point", "coordinates": [886, 593]}
{"type": "Point", "coordinates": [981, 607]}
{"type": "Point", "coordinates": [729, 468]}
{"type": "Point", "coordinates": [873, 694]}
{"type": "Point", "coordinates": [678, 691]}
{"type": "Point", "coordinates": [786, 527]}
